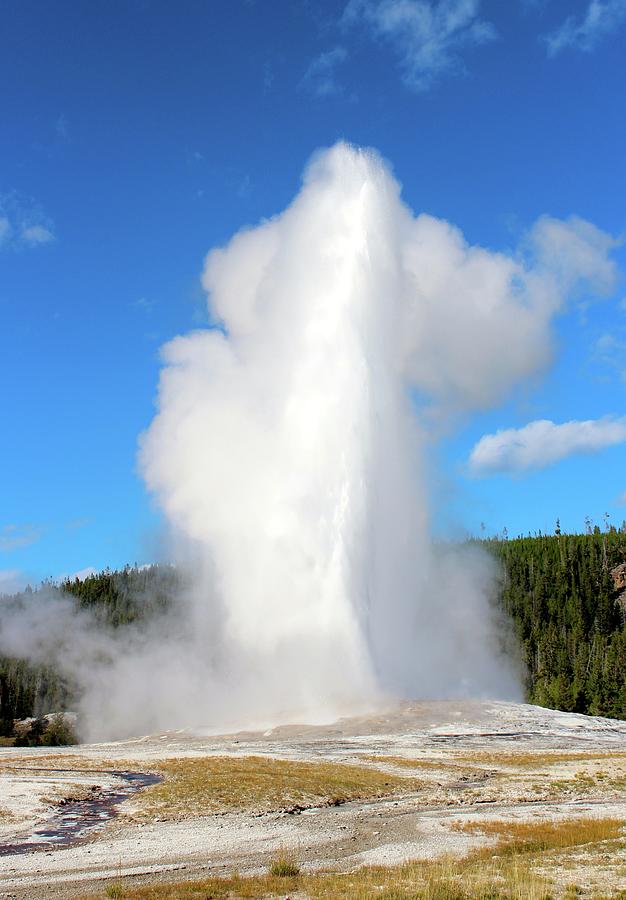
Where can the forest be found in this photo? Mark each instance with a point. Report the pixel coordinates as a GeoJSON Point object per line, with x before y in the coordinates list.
{"type": "Point", "coordinates": [564, 595]}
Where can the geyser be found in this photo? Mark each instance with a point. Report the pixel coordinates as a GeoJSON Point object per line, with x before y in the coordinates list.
{"type": "Point", "coordinates": [287, 448]}
{"type": "Point", "coordinates": [286, 454]}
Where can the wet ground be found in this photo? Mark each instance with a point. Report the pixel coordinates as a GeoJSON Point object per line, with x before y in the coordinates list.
{"type": "Point", "coordinates": [77, 819]}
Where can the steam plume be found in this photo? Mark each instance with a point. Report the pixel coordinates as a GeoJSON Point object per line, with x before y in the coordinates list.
{"type": "Point", "coordinates": [287, 456]}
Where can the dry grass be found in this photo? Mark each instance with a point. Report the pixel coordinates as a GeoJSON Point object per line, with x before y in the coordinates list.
{"type": "Point", "coordinates": [405, 762]}
{"type": "Point", "coordinates": [284, 866]}
{"type": "Point", "coordinates": [217, 784]}
{"type": "Point", "coordinates": [537, 760]}
{"type": "Point", "coordinates": [443, 880]}
{"type": "Point", "coordinates": [537, 837]}
{"type": "Point", "coordinates": [42, 762]}
{"type": "Point", "coordinates": [504, 871]}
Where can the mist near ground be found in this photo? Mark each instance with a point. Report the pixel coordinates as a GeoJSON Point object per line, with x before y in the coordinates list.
{"type": "Point", "coordinates": [288, 455]}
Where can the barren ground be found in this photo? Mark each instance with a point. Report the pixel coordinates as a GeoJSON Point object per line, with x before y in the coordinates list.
{"type": "Point", "coordinates": [422, 781]}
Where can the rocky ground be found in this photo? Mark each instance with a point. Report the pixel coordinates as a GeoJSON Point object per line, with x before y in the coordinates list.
{"type": "Point", "coordinates": [450, 766]}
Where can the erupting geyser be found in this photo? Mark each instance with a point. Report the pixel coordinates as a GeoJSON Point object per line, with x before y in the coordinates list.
{"type": "Point", "coordinates": [287, 450]}
{"type": "Point", "coordinates": [286, 456]}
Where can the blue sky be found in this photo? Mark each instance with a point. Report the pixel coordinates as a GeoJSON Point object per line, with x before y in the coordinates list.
{"type": "Point", "coordinates": [137, 135]}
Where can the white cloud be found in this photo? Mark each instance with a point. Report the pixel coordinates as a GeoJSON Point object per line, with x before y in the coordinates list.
{"type": "Point", "coordinates": [5, 230]}
{"type": "Point", "coordinates": [12, 537]}
{"type": "Point", "coordinates": [622, 499]}
{"type": "Point", "coordinates": [426, 35]}
{"type": "Point", "coordinates": [11, 581]}
{"type": "Point", "coordinates": [61, 127]}
{"type": "Point", "coordinates": [22, 223]}
{"type": "Point", "coordinates": [81, 574]}
{"type": "Point", "coordinates": [542, 443]}
{"type": "Point", "coordinates": [601, 18]}
{"type": "Point", "coordinates": [145, 304]}
{"type": "Point", "coordinates": [610, 351]}
{"type": "Point", "coordinates": [36, 234]}
{"type": "Point", "coordinates": [319, 79]}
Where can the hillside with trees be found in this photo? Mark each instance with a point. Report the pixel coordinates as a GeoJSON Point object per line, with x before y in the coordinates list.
{"type": "Point", "coordinates": [114, 599]}
{"type": "Point", "coordinates": [565, 595]}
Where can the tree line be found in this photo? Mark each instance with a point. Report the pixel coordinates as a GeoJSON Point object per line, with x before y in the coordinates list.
{"type": "Point", "coordinates": [564, 594]}
{"type": "Point", "coordinates": [566, 597]}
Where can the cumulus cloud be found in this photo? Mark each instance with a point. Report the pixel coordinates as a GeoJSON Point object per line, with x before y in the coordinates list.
{"type": "Point", "coordinates": [601, 18]}
{"type": "Point", "coordinates": [319, 79]}
{"type": "Point", "coordinates": [22, 223]}
{"type": "Point", "coordinates": [12, 537]}
{"type": "Point", "coordinates": [542, 443]}
{"type": "Point", "coordinates": [426, 35]}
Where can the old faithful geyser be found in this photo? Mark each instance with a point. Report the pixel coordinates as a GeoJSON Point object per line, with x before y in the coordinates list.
{"type": "Point", "coordinates": [286, 454]}
{"type": "Point", "coordinates": [286, 450]}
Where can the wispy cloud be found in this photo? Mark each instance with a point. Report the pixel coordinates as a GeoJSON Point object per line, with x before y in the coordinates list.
{"type": "Point", "coordinates": [76, 524]}
{"type": "Point", "coordinates": [61, 128]}
{"type": "Point", "coordinates": [601, 18]}
{"type": "Point", "coordinates": [81, 574]}
{"type": "Point", "coordinates": [622, 499]}
{"type": "Point", "coordinates": [145, 304]}
{"type": "Point", "coordinates": [36, 234]}
{"type": "Point", "coordinates": [426, 35]}
{"type": "Point", "coordinates": [320, 77]}
{"type": "Point", "coordinates": [12, 537]}
{"type": "Point", "coordinates": [22, 223]}
{"type": "Point", "coordinates": [542, 443]}
{"type": "Point", "coordinates": [11, 581]}
{"type": "Point", "coordinates": [5, 230]}
{"type": "Point", "coordinates": [610, 351]}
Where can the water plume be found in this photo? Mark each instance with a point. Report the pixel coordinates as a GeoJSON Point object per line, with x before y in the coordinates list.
{"type": "Point", "coordinates": [287, 454]}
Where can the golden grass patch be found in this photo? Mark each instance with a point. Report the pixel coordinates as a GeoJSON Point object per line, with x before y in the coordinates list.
{"type": "Point", "coordinates": [405, 762]}
{"type": "Point", "coordinates": [538, 760]}
{"type": "Point", "coordinates": [216, 784]}
{"type": "Point", "coordinates": [539, 836]}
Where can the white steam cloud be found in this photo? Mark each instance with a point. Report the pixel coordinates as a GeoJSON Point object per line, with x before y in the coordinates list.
{"type": "Point", "coordinates": [286, 456]}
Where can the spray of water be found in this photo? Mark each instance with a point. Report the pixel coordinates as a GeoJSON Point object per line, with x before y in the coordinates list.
{"type": "Point", "coordinates": [286, 454]}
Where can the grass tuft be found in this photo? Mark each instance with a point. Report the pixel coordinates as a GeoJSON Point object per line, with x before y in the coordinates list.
{"type": "Point", "coordinates": [284, 866]}
{"type": "Point", "coordinates": [115, 891]}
